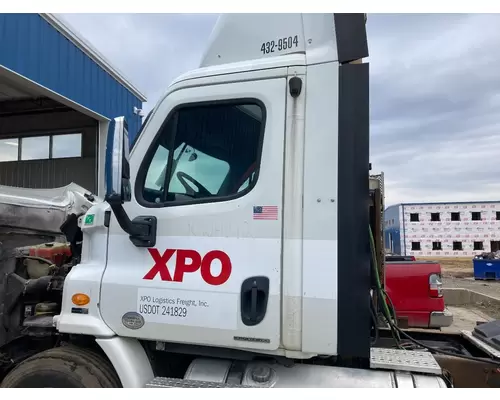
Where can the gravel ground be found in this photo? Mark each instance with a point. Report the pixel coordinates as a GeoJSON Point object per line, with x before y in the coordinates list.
{"type": "Point", "coordinates": [466, 318]}
{"type": "Point", "coordinates": [490, 288]}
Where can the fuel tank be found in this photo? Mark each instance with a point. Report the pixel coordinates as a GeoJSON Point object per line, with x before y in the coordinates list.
{"type": "Point", "coordinates": [207, 372]}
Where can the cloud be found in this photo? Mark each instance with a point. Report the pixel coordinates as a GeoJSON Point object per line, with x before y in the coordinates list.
{"type": "Point", "coordinates": [435, 94]}
{"type": "Point", "coordinates": [435, 101]}
{"type": "Point", "coordinates": [150, 49]}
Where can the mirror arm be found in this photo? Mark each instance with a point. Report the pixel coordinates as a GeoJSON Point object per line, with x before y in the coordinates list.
{"type": "Point", "coordinates": [141, 230]}
{"type": "Point", "coordinates": [126, 223]}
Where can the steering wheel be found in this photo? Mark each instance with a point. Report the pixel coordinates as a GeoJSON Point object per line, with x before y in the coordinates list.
{"type": "Point", "coordinates": [183, 178]}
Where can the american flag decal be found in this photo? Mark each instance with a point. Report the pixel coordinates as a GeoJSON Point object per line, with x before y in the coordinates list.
{"type": "Point", "coordinates": [265, 212]}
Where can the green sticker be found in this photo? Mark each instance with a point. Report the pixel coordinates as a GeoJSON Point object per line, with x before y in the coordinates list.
{"type": "Point", "coordinates": [89, 219]}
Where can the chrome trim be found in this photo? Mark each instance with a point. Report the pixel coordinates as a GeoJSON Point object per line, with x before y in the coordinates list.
{"type": "Point", "coordinates": [440, 319]}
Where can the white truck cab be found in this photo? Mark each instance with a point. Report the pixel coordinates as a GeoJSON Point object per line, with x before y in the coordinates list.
{"type": "Point", "coordinates": [235, 230]}
{"type": "Point", "coordinates": [242, 176]}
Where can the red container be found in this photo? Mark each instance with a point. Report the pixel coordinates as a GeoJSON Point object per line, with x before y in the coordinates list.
{"type": "Point", "coordinates": [57, 253]}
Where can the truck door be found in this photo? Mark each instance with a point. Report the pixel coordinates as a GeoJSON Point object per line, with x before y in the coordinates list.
{"type": "Point", "coordinates": [209, 167]}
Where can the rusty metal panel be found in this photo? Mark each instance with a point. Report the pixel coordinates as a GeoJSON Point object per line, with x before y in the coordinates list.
{"type": "Point", "coordinates": [376, 185]}
{"type": "Point", "coordinates": [468, 373]}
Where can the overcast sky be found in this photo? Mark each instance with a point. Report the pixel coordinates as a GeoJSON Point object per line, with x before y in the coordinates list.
{"type": "Point", "coordinates": [435, 95]}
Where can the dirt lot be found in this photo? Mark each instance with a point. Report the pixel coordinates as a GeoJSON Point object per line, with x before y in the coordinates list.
{"type": "Point", "coordinates": [465, 318]}
{"type": "Point", "coordinates": [490, 288]}
{"type": "Point", "coordinates": [458, 273]}
{"type": "Point", "coordinates": [454, 267]}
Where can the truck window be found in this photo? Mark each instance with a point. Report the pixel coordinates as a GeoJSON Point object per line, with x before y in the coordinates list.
{"type": "Point", "coordinates": [204, 153]}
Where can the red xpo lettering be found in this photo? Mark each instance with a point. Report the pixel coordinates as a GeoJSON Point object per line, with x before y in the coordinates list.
{"type": "Point", "coordinates": [189, 261]}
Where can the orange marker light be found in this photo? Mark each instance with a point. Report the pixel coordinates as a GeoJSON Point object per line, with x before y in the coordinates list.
{"type": "Point", "coordinates": [80, 299]}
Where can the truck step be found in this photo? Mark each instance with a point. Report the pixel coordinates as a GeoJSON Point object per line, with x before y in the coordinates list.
{"type": "Point", "coordinates": [404, 360]}
{"type": "Point", "coordinates": [160, 382]}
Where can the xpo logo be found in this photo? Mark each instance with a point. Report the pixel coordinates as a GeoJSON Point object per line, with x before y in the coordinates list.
{"type": "Point", "coordinates": [189, 261]}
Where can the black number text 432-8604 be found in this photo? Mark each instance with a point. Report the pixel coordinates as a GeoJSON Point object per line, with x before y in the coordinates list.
{"type": "Point", "coordinates": [281, 44]}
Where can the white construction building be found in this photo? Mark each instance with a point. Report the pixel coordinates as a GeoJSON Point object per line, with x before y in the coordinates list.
{"type": "Point", "coordinates": [455, 229]}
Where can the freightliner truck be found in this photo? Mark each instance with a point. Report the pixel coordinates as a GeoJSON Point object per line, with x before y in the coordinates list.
{"type": "Point", "coordinates": [238, 243]}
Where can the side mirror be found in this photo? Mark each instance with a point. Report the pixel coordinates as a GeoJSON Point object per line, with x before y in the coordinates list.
{"type": "Point", "coordinates": [118, 188]}
{"type": "Point", "coordinates": [142, 229]}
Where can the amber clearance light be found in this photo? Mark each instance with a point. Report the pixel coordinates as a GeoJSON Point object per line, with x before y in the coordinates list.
{"type": "Point", "coordinates": [80, 299]}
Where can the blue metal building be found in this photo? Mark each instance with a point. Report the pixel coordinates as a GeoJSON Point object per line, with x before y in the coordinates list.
{"type": "Point", "coordinates": [57, 96]}
{"type": "Point", "coordinates": [392, 228]}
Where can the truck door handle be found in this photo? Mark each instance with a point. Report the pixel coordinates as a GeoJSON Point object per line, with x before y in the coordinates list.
{"type": "Point", "coordinates": [254, 297]}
